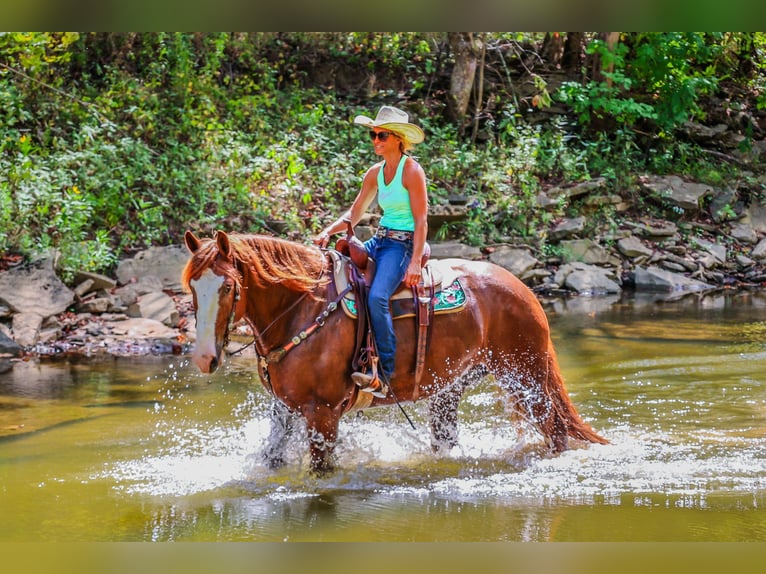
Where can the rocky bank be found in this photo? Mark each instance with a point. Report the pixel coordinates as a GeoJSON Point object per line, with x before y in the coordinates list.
{"type": "Point", "coordinates": [716, 242]}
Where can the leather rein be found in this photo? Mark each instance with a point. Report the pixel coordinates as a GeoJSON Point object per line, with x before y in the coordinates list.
{"type": "Point", "coordinates": [278, 353]}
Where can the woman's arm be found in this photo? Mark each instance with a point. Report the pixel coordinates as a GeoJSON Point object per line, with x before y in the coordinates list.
{"type": "Point", "coordinates": [414, 180]}
{"type": "Point", "coordinates": [363, 200]}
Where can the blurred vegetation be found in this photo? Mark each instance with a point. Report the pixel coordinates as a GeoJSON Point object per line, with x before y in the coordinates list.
{"type": "Point", "coordinates": [112, 142]}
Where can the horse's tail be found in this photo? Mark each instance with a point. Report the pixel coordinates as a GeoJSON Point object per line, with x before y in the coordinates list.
{"type": "Point", "coordinates": [566, 413]}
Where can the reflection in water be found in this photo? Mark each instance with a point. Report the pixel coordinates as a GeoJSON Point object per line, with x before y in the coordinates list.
{"type": "Point", "coordinates": [150, 450]}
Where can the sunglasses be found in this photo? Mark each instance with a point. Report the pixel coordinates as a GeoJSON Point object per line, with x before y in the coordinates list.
{"type": "Point", "coordinates": [382, 136]}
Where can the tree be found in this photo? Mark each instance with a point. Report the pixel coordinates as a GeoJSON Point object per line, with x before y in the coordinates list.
{"type": "Point", "coordinates": [466, 48]}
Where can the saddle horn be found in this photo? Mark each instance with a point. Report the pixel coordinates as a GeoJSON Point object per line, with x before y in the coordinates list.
{"type": "Point", "coordinates": [352, 247]}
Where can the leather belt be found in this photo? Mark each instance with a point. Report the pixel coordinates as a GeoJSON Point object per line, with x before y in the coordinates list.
{"type": "Point", "coordinates": [385, 232]}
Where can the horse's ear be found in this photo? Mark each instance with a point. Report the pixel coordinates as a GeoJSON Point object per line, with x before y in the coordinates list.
{"type": "Point", "coordinates": [224, 245]}
{"type": "Point", "coordinates": [192, 243]}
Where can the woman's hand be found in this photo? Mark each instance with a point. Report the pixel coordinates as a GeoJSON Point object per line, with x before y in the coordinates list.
{"type": "Point", "coordinates": [412, 276]}
{"type": "Point", "coordinates": [322, 239]}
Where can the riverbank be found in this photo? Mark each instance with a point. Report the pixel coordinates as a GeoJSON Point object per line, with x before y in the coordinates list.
{"type": "Point", "coordinates": [717, 243]}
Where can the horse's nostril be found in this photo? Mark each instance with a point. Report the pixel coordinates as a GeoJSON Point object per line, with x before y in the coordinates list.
{"type": "Point", "coordinates": [213, 364]}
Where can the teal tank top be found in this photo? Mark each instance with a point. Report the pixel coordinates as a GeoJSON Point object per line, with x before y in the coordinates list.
{"type": "Point", "coordinates": [394, 200]}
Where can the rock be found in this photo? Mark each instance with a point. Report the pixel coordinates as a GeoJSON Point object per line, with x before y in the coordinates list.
{"type": "Point", "coordinates": [567, 228]}
{"type": "Point", "coordinates": [759, 251]}
{"type": "Point", "coordinates": [656, 279]}
{"type": "Point", "coordinates": [716, 250]}
{"type": "Point", "coordinates": [35, 289]}
{"type": "Point", "coordinates": [702, 133]}
{"type": "Point", "coordinates": [632, 247]}
{"type": "Point", "coordinates": [680, 263]}
{"type": "Point", "coordinates": [723, 205]}
{"type": "Point", "coordinates": [9, 347]}
{"type": "Point", "coordinates": [744, 233]}
{"type": "Point", "coordinates": [675, 191]}
{"type": "Point", "coordinates": [95, 305]}
{"type": "Point", "coordinates": [26, 328]}
{"type": "Point", "coordinates": [659, 230]}
{"type": "Point", "coordinates": [585, 250]}
{"type": "Point", "coordinates": [517, 261]}
{"type": "Point", "coordinates": [755, 215]}
{"type": "Point", "coordinates": [587, 279]}
{"type": "Point", "coordinates": [141, 328]}
{"type": "Point", "coordinates": [156, 306]}
{"type": "Point", "coordinates": [166, 263]}
{"type": "Point", "coordinates": [586, 187]}
{"type": "Point", "coordinates": [438, 215]}
{"type": "Point", "coordinates": [743, 261]}
{"type": "Point", "coordinates": [83, 287]}
{"type": "Point", "coordinates": [98, 281]}
{"type": "Point", "coordinates": [448, 249]}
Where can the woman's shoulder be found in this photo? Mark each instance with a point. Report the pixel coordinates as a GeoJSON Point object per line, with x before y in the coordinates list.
{"type": "Point", "coordinates": [372, 171]}
{"type": "Point", "coordinates": [412, 166]}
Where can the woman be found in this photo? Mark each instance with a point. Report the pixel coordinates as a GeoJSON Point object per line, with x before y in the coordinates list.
{"type": "Point", "coordinates": [397, 247]}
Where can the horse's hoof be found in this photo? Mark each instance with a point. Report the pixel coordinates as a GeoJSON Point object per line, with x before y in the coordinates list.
{"type": "Point", "coordinates": [274, 462]}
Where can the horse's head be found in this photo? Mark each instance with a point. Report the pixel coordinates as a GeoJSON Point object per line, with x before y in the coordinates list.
{"type": "Point", "coordinates": [215, 283]}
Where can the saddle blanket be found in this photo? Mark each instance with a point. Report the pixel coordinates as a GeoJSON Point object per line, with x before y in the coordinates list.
{"type": "Point", "coordinates": [449, 300]}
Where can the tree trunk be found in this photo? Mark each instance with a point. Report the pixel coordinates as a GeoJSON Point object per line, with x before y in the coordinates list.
{"type": "Point", "coordinates": [574, 52]}
{"type": "Point", "coordinates": [466, 49]}
{"type": "Point", "coordinates": [553, 48]}
{"type": "Point", "coordinates": [597, 69]}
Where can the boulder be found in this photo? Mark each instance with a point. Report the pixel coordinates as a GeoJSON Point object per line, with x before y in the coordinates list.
{"type": "Point", "coordinates": [756, 217]}
{"type": "Point", "coordinates": [142, 328]}
{"type": "Point", "coordinates": [26, 328]}
{"type": "Point", "coordinates": [517, 261]}
{"type": "Point", "coordinates": [448, 249]}
{"type": "Point", "coordinates": [632, 247]}
{"type": "Point", "coordinates": [35, 289]}
{"type": "Point", "coordinates": [166, 263]}
{"type": "Point", "coordinates": [568, 228]}
{"type": "Point", "coordinates": [744, 233]}
{"type": "Point", "coordinates": [759, 251]}
{"type": "Point", "coordinates": [655, 279]}
{"type": "Point", "coordinates": [585, 250]}
{"type": "Point", "coordinates": [675, 191]}
{"type": "Point", "coordinates": [587, 279]}
{"type": "Point", "coordinates": [8, 347]}
{"type": "Point", "coordinates": [156, 306]}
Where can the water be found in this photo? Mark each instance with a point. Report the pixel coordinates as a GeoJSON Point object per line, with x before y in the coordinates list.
{"type": "Point", "coordinates": [148, 449]}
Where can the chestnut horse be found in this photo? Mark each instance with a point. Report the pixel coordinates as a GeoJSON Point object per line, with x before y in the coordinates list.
{"type": "Point", "coordinates": [284, 290]}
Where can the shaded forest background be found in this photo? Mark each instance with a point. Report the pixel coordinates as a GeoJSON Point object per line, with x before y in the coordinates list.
{"type": "Point", "coordinates": [113, 142]}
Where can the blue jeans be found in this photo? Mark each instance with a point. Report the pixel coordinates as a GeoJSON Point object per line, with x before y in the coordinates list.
{"type": "Point", "coordinates": [392, 257]}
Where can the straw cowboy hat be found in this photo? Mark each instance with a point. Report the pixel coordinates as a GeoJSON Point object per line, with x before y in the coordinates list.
{"type": "Point", "coordinates": [395, 120]}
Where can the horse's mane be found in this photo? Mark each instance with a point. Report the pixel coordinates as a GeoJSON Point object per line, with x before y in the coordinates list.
{"type": "Point", "coordinates": [266, 260]}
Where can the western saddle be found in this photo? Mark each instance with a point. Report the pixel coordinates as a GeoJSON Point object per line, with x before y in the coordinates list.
{"type": "Point", "coordinates": [361, 272]}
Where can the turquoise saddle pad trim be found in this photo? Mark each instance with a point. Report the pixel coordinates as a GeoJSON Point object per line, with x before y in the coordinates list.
{"type": "Point", "coordinates": [449, 299]}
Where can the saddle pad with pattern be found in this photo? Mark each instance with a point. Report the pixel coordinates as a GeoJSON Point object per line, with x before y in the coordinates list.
{"type": "Point", "coordinates": [449, 295]}
{"type": "Point", "coordinates": [447, 300]}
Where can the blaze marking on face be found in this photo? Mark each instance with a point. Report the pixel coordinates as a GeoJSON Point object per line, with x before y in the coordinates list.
{"type": "Point", "coordinates": [207, 289]}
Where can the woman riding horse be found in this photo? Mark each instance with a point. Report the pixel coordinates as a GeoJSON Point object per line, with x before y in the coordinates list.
{"type": "Point", "coordinates": [305, 347]}
{"type": "Point", "coordinates": [397, 248]}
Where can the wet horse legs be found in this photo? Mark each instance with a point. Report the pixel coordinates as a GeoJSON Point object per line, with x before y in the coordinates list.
{"type": "Point", "coordinates": [442, 413]}
{"type": "Point", "coordinates": [282, 422]}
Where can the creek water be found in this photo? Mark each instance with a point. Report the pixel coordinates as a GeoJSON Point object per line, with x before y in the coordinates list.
{"type": "Point", "coordinates": [147, 449]}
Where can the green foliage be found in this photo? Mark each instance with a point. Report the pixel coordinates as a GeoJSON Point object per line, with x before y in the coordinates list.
{"type": "Point", "coordinates": [660, 78]}
{"type": "Point", "coordinates": [112, 142]}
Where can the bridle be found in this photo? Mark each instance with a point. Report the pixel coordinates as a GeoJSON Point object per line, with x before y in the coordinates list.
{"type": "Point", "coordinates": [276, 354]}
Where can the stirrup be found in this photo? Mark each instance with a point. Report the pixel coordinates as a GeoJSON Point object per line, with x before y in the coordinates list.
{"type": "Point", "coordinates": [370, 384]}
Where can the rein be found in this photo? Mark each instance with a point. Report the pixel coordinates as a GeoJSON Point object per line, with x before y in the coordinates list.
{"type": "Point", "coordinates": [277, 354]}
{"type": "Point", "coordinates": [262, 333]}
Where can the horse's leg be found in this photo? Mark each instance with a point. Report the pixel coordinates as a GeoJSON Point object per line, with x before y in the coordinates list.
{"type": "Point", "coordinates": [282, 422]}
{"type": "Point", "coordinates": [322, 427]}
{"type": "Point", "coordinates": [442, 414]}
